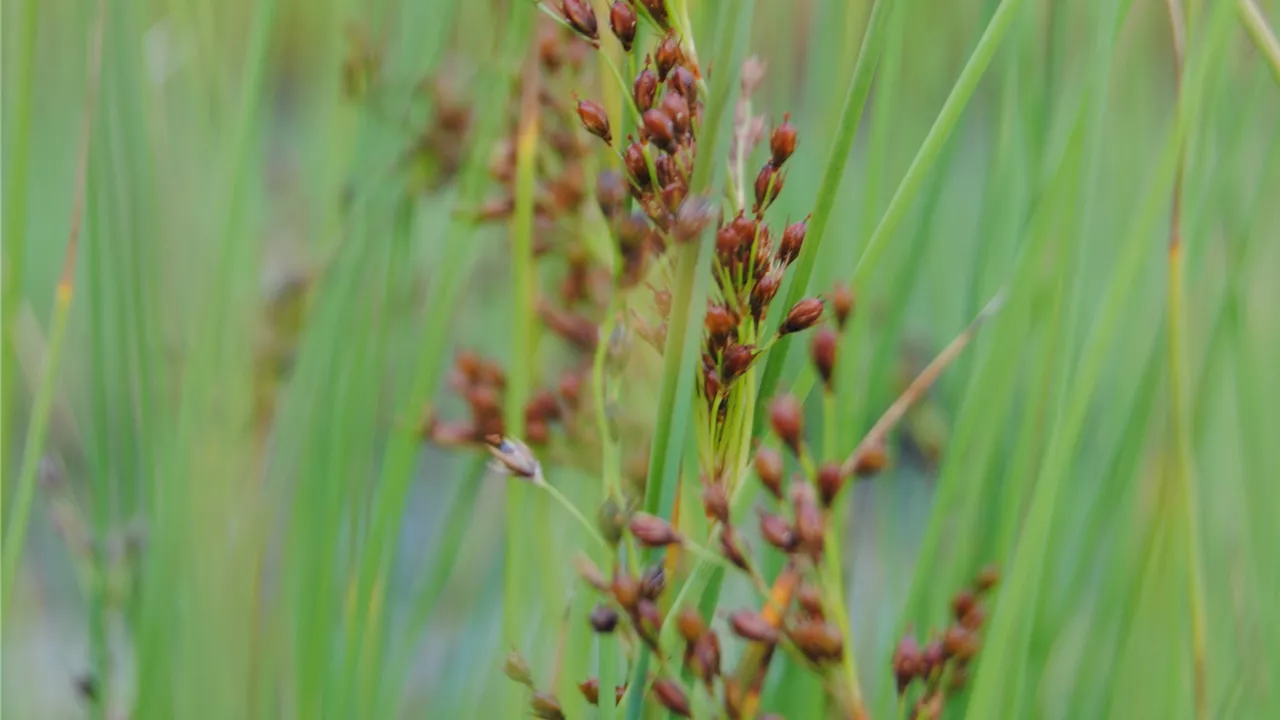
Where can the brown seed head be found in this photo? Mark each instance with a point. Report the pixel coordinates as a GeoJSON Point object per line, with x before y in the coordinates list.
{"type": "Point", "coordinates": [752, 626]}
{"type": "Point", "coordinates": [959, 643]}
{"type": "Point", "coordinates": [676, 108]}
{"type": "Point", "coordinates": [769, 468]}
{"type": "Point", "coordinates": [659, 128]}
{"type": "Point", "coordinates": [668, 54]}
{"type": "Point", "coordinates": [595, 120]}
{"type": "Point", "coordinates": [626, 589]}
{"type": "Point", "coordinates": [570, 387]}
{"type": "Point", "coordinates": [933, 658]}
{"type": "Point", "coordinates": [581, 18]}
{"type": "Point", "coordinates": [766, 288]}
{"type": "Point", "coordinates": [728, 244]}
{"type": "Point", "coordinates": [783, 141]}
{"type": "Point", "coordinates": [604, 619]}
{"type": "Point", "coordinates": [649, 620]}
{"type": "Point", "coordinates": [842, 304]}
{"type": "Point", "coordinates": [908, 663]}
{"type": "Point", "coordinates": [974, 619]}
{"type": "Point", "coordinates": [720, 321]}
{"type": "Point", "coordinates": [810, 599]}
{"type": "Point", "coordinates": [809, 524]}
{"type": "Point", "coordinates": [786, 417]}
{"type": "Point", "coordinates": [802, 316]}
{"type": "Point", "coordinates": [962, 603]}
{"type": "Point", "coordinates": [645, 88]}
{"type": "Point", "coordinates": [690, 624]}
{"type": "Point", "coordinates": [611, 193]}
{"type": "Point", "coordinates": [692, 217]}
{"type": "Point", "coordinates": [822, 350]}
{"type": "Point", "coordinates": [777, 532]}
{"type": "Point", "coordinates": [668, 693]}
{"type": "Point", "coordinates": [673, 195]}
{"type": "Point", "coordinates": [731, 546]}
{"type": "Point", "coordinates": [715, 500]}
{"type": "Point", "coordinates": [818, 640]}
{"type": "Point", "coordinates": [590, 689]}
{"type": "Point", "coordinates": [591, 574]}
{"type": "Point", "coordinates": [987, 579]}
{"type": "Point", "coordinates": [653, 531]}
{"type": "Point", "coordinates": [870, 460]}
{"type": "Point", "coordinates": [516, 667]}
{"type": "Point", "coordinates": [769, 183]}
{"type": "Point", "coordinates": [737, 359]}
{"type": "Point", "coordinates": [622, 20]}
{"type": "Point", "coordinates": [792, 241]}
{"type": "Point", "coordinates": [711, 386]}
{"type": "Point", "coordinates": [653, 582]}
{"type": "Point", "coordinates": [830, 481]}
{"type": "Point", "coordinates": [682, 81]}
{"type": "Point", "coordinates": [705, 659]}
{"type": "Point", "coordinates": [637, 168]}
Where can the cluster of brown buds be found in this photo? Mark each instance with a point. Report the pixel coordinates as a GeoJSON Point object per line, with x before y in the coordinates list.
{"type": "Point", "coordinates": [942, 665]}
{"type": "Point", "coordinates": [482, 384]}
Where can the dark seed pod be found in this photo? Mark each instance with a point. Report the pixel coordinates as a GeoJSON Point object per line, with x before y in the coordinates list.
{"type": "Point", "coordinates": [959, 643]}
{"type": "Point", "coordinates": [810, 599]}
{"type": "Point", "coordinates": [622, 20]}
{"type": "Point", "coordinates": [766, 288]}
{"type": "Point", "coordinates": [737, 359]}
{"type": "Point", "coordinates": [649, 620]}
{"type": "Point", "coordinates": [908, 662]}
{"type": "Point", "coordinates": [653, 531]}
{"type": "Point", "coordinates": [591, 574]}
{"type": "Point", "coordinates": [830, 481]}
{"type": "Point", "coordinates": [676, 108]}
{"type": "Point", "coordinates": [777, 532]}
{"type": "Point", "coordinates": [611, 193]}
{"type": "Point", "coordinates": [871, 459]}
{"type": "Point", "coordinates": [633, 158]}
{"type": "Point", "coordinates": [690, 625]}
{"type": "Point", "coordinates": [581, 18]}
{"type": "Point", "coordinates": [782, 143]}
{"type": "Point", "coordinates": [732, 548]}
{"type": "Point", "coordinates": [974, 619]}
{"type": "Point", "coordinates": [626, 589]}
{"type": "Point", "coordinates": [768, 184]}
{"type": "Point", "coordinates": [673, 698]}
{"type": "Point", "coordinates": [752, 626]}
{"type": "Point", "coordinates": [705, 659]}
{"type": "Point", "coordinates": [604, 619]}
{"type": "Point", "coordinates": [728, 244]}
{"type": "Point", "coordinates": [962, 603]}
{"type": "Point", "coordinates": [720, 321]}
{"type": "Point", "coordinates": [611, 520]}
{"type": "Point", "coordinates": [933, 658]}
{"type": "Point", "coordinates": [660, 129]}
{"type": "Point", "coordinates": [711, 385]}
{"type": "Point", "coordinates": [595, 120]}
{"type": "Point", "coordinates": [819, 641]}
{"type": "Point", "coordinates": [645, 89]}
{"type": "Point", "coordinates": [786, 417]}
{"type": "Point", "coordinates": [822, 350]}
{"type": "Point", "coordinates": [987, 579]}
{"type": "Point", "coordinates": [668, 54]}
{"type": "Point", "coordinates": [692, 218]}
{"type": "Point", "coordinates": [653, 582]}
{"type": "Point", "coordinates": [792, 241]}
{"type": "Point", "coordinates": [515, 667]}
{"type": "Point", "coordinates": [809, 524]}
{"type": "Point", "coordinates": [590, 689]}
{"type": "Point", "coordinates": [715, 500]}
{"type": "Point", "coordinates": [683, 82]}
{"type": "Point", "coordinates": [842, 304]}
{"type": "Point", "coordinates": [769, 468]}
{"type": "Point", "coordinates": [802, 316]}
{"type": "Point", "coordinates": [545, 706]}
{"type": "Point", "coordinates": [673, 195]}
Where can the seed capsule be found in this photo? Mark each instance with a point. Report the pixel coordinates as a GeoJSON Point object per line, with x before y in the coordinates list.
{"type": "Point", "coordinates": [777, 532]}
{"type": "Point", "coordinates": [705, 659]}
{"type": "Point", "coordinates": [645, 89]}
{"type": "Point", "coordinates": [626, 589]}
{"type": "Point", "coordinates": [660, 129]}
{"type": "Point", "coordinates": [590, 689]}
{"type": "Point", "coordinates": [822, 350]}
{"type": "Point", "coordinates": [766, 288]}
{"type": "Point", "coordinates": [731, 548]}
{"type": "Point", "coordinates": [545, 706]}
{"type": "Point", "coordinates": [668, 693]}
{"type": "Point", "coordinates": [830, 481]}
{"type": "Point", "coordinates": [611, 192]}
{"type": "Point", "coordinates": [676, 108]}
{"type": "Point", "coordinates": [802, 316]}
{"type": "Point", "coordinates": [752, 626]}
{"type": "Point", "coordinates": [786, 417]}
{"type": "Point", "coordinates": [690, 625]}
{"type": "Point", "coordinates": [908, 663]}
{"type": "Point", "coordinates": [604, 619]}
{"type": "Point", "coordinates": [715, 500]}
{"type": "Point", "coordinates": [737, 359]}
{"type": "Point", "coordinates": [692, 218]}
{"type": "Point", "coordinates": [842, 304]}
{"type": "Point", "coordinates": [962, 603]}
{"type": "Point", "coordinates": [933, 658]}
{"type": "Point", "coordinates": [581, 18]}
{"type": "Point", "coordinates": [595, 120]}
{"type": "Point", "coordinates": [768, 184]}
{"type": "Point", "coordinates": [974, 619]}
{"type": "Point", "coordinates": [792, 241]}
{"type": "Point", "coordinates": [633, 158]}
{"type": "Point", "coordinates": [819, 641]}
{"type": "Point", "coordinates": [782, 143]}
{"type": "Point", "coordinates": [769, 468]}
{"type": "Point", "coordinates": [653, 582]}
{"type": "Point", "coordinates": [653, 531]}
{"type": "Point", "coordinates": [870, 460]}
{"type": "Point", "coordinates": [683, 82]}
{"type": "Point", "coordinates": [810, 599]}
{"type": "Point", "coordinates": [720, 321]}
{"type": "Point", "coordinates": [959, 643]}
{"type": "Point", "coordinates": [668, 53]}
{"type": "Point", "coordinates": [515, 667]}
{"type": "Point", "coordinates": [588, 571]}
{"type": "Point", "coordinates": [649, 620]}
{"type": "Point", "coordinates": [622, 20]}
{"type": "Point", "coordinates": [987, 579]}
{"type": "Point", "coordinates": [809, 525]}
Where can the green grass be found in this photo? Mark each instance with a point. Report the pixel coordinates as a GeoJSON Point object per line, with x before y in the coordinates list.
{"type": "Point", "coordinates": [271, 543]}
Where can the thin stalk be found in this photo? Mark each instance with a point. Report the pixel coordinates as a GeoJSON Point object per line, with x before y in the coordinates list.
{"type": "Point", "coordinates": [1255, 23]}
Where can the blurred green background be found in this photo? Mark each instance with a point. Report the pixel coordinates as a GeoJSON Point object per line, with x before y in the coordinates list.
{"type": "Point", "coordinates": [221, 508]}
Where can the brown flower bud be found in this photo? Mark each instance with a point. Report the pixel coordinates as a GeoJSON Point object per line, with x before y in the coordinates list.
{"type": "Point", "coordinates": [871, 459]}
{"type": "Point", "coordinates": [611, 520]}
{"type": "Point", "coordinates": [604, 619]}
{"type": "Point", "coordinates": [737, 359]}
{"type": "Point", "coordinates": [653, 582]}
{"type": "Point", "coordinates": [683, 82]}
{"type": "Point", "coordinates": [933, 658]}
{"type": "Point", "coordinates": [676, 108]}
{"type": "Point", "coordinates": [810, 599]}
{"type": "Point", "coordinates": [659, 128]}
{"type": "Point", "coordinates": [768, 184]}
{"type": "Point", "coordinates": [802, 316]}
{"type": "Point", "coordinates": [822, 350]}
{"type": "Point", "coordinates": [570, 387]}
{"type": "Point", "coordinates": [908, 663]}
{"type": "Point", "coordinates": [673, 195]}
{"type": "Point", "coordinates": [777, 532]}
{"type": "Point", "coordinates": [786, 417]}
{"type": "Point", "coordinates": [728, 244]}
{"type": "Point", "coordinates": [752, 626]}
{"type": "Point", "coordinates": [668, 53]}
{"type": "Point", "coordinates": [720, 321]}
{"type": "Point", "coordinates": [672, 697]}
{"type": "Point", "coordinates": [516, 667]}
{"type": "Point", "coordinates": [705, 659]}
{"type": "Point", "coordinates": [792, 241]}
{"type": "Point", "coordinates": [611, 193]}
{"type": "Point", "coordinates": [962, 603]}
{"type": "Point", "coordinates": [959, 643]}
{"type": "Point", "coordinates": [830, 481]}
{"type": "Point", "coordinates": [732, 548]}
{"type": "Point", "coordinates": [653, 531]}
{"type": "Point", "coordinates": [537, 432]}
{"type": "Point", "coordinates": [622, 20]}
{"type": "Point", "coordinates": [711, 386]}
{"type": "Point", "coordinates": [626, 588]}
{"type": "Point", "coordinates": [637, 168]}
{"type": "Point", "coordinates": [715, 500]}
{"type": "Point", "coordinates": [690, 624]}
{"type": "Point", "coordinates": [590, 574]}
{"type": "Point", "coordinates": [842, 304]}
{"type": "Point", "coordinates": [769, 468]}
{"type": "Point", "coordinates": [595, 120]}
{"type": "Point", "coordinates": [818, 640]}
{"type": "Point", "coordinates": [645, 88]}
{"type": "Point", "coordinates": [987, 579]}
{"type": "Point", "coordinates": [974, 619]}
{"type": "Point", "coordinates": [581, 17]}
{"type": "Point", "coordinates": [765, 289]}
{"type": "Point", "coordinates": [782, 143]}
{"type": "Point", "coordinates": [692, 217]}
{"type": "Point", "coordinates": [809, 524]}
{"type": "Point", "coordinates": [648, 620]}
{"type": "Point", "coordinates": [545, 706]}
{"type": "Point", "coordinates": [590, 689]}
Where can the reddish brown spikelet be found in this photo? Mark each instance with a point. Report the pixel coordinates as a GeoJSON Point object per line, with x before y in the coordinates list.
{"type": "Point", "coordinates": [786, 417]}
{"type": "Point", "coordinates": [974, 619]}
{"type": "Point", "coordinates": [962, 604]}
{"type": "Point", "coordinates": [516, 667]}
{"type": "Point", "coordinates": [604, 619]}
{"type": "Point", "coordinates": [570, 387]}
{"type": "Point", "coordinates": [766, 288]}
{"type": "Point", "coordinates": [792, 241]}
{"type": "Point", "coordinates": [590, 689]}
{"type": "Point", "coordinates": [626, 589]}
{"type": "Point", "coordinates": [611, 193]}
{"type": "Point", "coordinates": [677, 108]}
{"type": "Point", "coordinates": [933, 658]}
{"type": "Point", "coordinates": [690, 624]}
{"type": "Point", "coordinates": [622, 20]}
{"type": "Point", "coordinates": [752, 626]}
{"type": "Point", "coordinates": [737, 359]}
{"type": "Point", "coordinates": [727, 244]}
{"type": "Point", "coordinates": [645, 88]}
{"type": "Point", "coordinates": [595, 120]}
{"type": "Point", "coordinates": [822, 350]}
{"type": "Point", "coordinates": [768, 184]}
{"type": "Point", "coordinates": [682, 81]}
{"type": "Point", "coordinates": [782, 143]}
{"type": "Point", "coordinates": [668, 54]}
{"type": "Point", "coordinates": [581, 18]}
{"type": "Point", "coordinates": [720, 321]}
{"type": "Point", "coordinates": [658, 126]}
{"type": "Point", "coordinates": [711, 386]}
{"type": "Point", "coordinates": [591, 574]}
{"type": "Point", "coordinates": [959, 643]}
{"type": "Point", "coordinates": [768, 464]}
{"type": "Point", "coordinates": [908, 662]}
{"type": "Point", "coordinates": [809, 525]}
{"type": "Point", "coordinates": [842, 304]}
{"type": "Point", "coordinates": [637, 168]}
{"type": "Point", "coordinates": [545, 706]}
{"type": "Point", "coordinates": [870, 460]}
{"type": "Point", "coordinates": [672, 697]}
{"type": "Point", "coordinates": [819, 641]}
{"type": "Point", "coordinates": [802, 316]}
{"type": "Point", "coordinates": [649, 620]}
{"type": "Point", "coordinates": [987, 579]}
{"type": "Point", "coordinates": [810, 599]}
{"type": "Point", "coordinates": [830, 481]}
{"type": "Point", "coordinates": [692, 217]}
{"type": "Point", "coordinates": [777, 532]}
{"type": "Point", "coordinates": [715, 500]}
{"type": "Point", "coordinates": [673, 195]}
{"type": "Point", "coordinates": [653, 531]}
{"type": "Point", "coordinates": [653, 582]}
{"type": "Point", "coordinates": [732, 548]}
{"type": "Point", "coordinates": [705, 659]}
